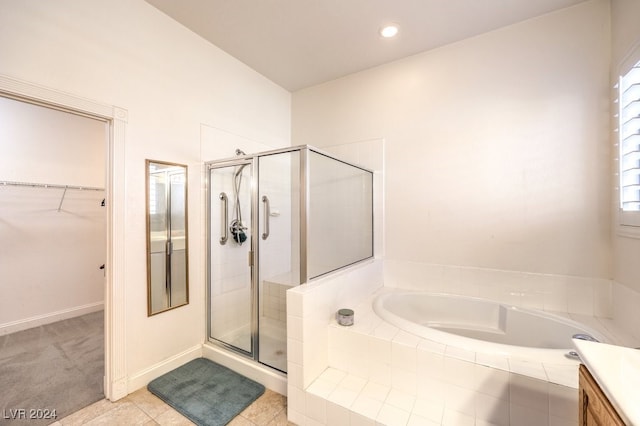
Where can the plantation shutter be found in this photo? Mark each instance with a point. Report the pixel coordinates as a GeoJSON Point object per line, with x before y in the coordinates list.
{"type": "Point", "coordinates": [629, 145]}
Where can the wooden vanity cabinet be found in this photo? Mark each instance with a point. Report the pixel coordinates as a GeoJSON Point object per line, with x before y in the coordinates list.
{"type": "Point", "coordinates": [594, 407]}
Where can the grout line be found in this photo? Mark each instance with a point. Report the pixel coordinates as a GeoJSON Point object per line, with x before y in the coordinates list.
{"type": "Point", "coordinates": [129, 400]}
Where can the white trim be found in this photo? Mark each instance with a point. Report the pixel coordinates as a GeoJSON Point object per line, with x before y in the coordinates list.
{"type": "Point", "coordinates": [628, 219]}
{"type": "Point", "coordinates": [114, 302]}
{"type": "Point", "coordinates": [47, 96]}
{"type": "Point", "coordinates": [628, 231]}
{"type": "Point", "coordinates": [48, 318]}
{"type": "Point", "coordinates": [625, 219]}
{"type": "Point", "coordinates": [630, 59]}
{"type": "Point", "coordinates": [143, 377]}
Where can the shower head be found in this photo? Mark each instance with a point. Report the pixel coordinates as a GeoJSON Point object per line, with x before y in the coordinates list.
{"type": "Point", "coordinates": [240, 152]}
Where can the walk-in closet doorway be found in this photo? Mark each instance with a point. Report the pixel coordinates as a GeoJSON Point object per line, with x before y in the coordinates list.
{"type": "Point", "coordinates": [53, 228]}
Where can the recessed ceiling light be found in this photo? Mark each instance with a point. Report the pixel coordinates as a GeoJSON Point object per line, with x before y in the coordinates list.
{"type": "Point", "coordinates": [389, 31]}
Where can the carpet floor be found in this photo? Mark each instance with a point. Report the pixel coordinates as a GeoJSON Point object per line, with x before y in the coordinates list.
{"type": "Point", "coordinates": [58, 366]}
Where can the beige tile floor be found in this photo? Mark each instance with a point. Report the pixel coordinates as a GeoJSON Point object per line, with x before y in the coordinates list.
{"type": "Point", "coordinates": [144, 408]}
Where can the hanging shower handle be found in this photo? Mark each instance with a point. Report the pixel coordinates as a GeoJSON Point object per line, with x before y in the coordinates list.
{"type": "Point", "coordinates": [267, 214]}
{"type": "Point", "coordinates": [224, 218]}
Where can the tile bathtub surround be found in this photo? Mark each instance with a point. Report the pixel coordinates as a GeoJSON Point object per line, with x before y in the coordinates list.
{"type": "Point", "coordinates": [429, 383]}
{"type": "Point", "coordinates": [516, 400]}
{"type": "Point", "coordinates": [378, 373]}
{"type": "Point", "coordinates": [372, 371]}
{"type": "Point", "coordinates": [410, 359]}
{"type": "Point", "coordinates": [558, 293]}
{"type": "Point", "coordinates": [626, 314]}
{"type": "Point", "coordinates": [310, 309]}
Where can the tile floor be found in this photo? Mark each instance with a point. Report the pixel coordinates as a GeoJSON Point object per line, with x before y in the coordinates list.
{"type": "Point", "coordinates": [144, 408]}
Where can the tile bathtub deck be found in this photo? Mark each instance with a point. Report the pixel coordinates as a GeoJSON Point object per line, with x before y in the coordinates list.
{"type": "Point", "coordinates": [144, 408]}
{"type": "Point", "coordinates": [436, 384]}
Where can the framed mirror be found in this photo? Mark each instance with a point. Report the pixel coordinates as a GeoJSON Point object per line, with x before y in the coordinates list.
{"type": "Point", "coordinates": [167, 253]}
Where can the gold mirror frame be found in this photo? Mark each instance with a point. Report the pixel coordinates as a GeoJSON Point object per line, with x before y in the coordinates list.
{"type": "Point", "coordinates": [167, 231]}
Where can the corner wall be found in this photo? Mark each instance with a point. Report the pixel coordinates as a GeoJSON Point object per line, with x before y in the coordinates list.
{"type": "Point", "coordinates": [496, 146]}
{"type": "Point", "coordinates": [171, 81]}
{"type": "Point", "coordinates": [625, 36]}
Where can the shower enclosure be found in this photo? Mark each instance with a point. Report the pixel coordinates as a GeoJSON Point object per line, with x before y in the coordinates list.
{"type": "Point", "coordinates": [278, 219]}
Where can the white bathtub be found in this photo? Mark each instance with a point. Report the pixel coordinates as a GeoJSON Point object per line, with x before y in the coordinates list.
{"type": "Point", "coordinates": [480, 325]}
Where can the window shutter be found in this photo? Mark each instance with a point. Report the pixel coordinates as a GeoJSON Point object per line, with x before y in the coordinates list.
{"type": "Point", "coordinates": [629, 143]}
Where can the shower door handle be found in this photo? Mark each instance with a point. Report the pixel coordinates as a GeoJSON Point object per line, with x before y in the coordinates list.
{"type": "Point", "coordinates": [267, 214]}
{"type": "Point", "coordinates": [224, 218]}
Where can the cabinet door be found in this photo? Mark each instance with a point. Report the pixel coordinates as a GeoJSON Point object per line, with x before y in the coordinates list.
{"type": "Point", "coordinates": [594, 407]}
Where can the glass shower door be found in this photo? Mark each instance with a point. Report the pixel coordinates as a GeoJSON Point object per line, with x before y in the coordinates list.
{"type": "Point", "coordinates": [230, 254]}
{"type": "Point", "coordinates": [279, 251]}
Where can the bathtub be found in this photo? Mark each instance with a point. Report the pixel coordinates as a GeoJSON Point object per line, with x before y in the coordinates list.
{"type": "Point", "coordinates": [480, 325]}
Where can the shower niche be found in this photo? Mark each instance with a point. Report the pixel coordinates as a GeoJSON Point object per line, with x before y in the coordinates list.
{"type": "Point", "coordinates": [278, 219]}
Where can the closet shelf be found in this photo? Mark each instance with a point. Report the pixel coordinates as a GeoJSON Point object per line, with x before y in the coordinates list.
{"type": "Point", "coordinates": [55, 186]}
{"type": "Point", "coordinates": [48, 185]}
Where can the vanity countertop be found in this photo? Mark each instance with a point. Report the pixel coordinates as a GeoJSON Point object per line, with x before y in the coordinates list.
{"type": "Point", "coordinates": [617, 371]}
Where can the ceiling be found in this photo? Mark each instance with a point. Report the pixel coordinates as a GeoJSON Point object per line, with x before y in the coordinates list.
{"type": "Point", "coordinates": [301, 43]}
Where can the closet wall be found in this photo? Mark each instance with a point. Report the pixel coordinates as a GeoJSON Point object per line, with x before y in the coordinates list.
{"type": "Point", "coordinates": [52, 242]}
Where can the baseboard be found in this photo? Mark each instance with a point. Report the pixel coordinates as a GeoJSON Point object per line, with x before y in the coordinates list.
{"type": "Point", "coordinates": [35, 321]}
{"type": "Point", "coordinates": [266, 376]}
{"type": "Point", "coordinates": [142, 378]}
{"type": "Point", "coordinates": [118, 390]}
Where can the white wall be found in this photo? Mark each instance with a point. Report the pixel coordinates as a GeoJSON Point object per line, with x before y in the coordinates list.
{"type": "Point", "coordinates": [496, 146]}
{"type": "Point", "coordinates": [43, 145]}
{"type": "Point", "coordinates": [625, 39]}
{"type": "Point", "coordinates": [625, 36]}
{"type": "Point", "coordinates": [50, 258]}
{"type": "Point", "coordinates": [128, 54]}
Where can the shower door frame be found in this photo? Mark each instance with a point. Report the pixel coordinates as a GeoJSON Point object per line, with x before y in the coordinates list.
{"type": "Point", "coordinates": [253, 160]}
{"type": "Point", "coordinates": [305, 184]}
{"type": "Point", "coordinates": [210, 165]}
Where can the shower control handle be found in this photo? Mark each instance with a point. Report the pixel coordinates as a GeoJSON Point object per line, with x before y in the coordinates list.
{"type": "Point", "coordinates": [224, 217]}
{"type": "Point", "coordinates": [267, 215]}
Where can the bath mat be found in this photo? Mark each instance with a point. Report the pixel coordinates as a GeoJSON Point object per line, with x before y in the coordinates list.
{"type": "Point", "coordinates": [206, 393]}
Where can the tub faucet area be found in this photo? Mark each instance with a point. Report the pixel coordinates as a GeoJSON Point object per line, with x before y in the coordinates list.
{"type": "Point", "coordinates": [587, 337]}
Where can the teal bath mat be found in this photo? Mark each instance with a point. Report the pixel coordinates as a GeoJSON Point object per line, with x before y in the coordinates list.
{"type": "Point", "coordinates": [206, 393]}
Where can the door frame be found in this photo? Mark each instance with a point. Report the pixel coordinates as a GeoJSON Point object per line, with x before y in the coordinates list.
{"type": "Point", "coordinates": [255, 251]}
{"type": "Point", "coordinates": [115, 378]}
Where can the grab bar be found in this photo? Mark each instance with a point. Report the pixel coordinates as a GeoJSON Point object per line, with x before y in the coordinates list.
{"type": "Point", "coordinates": [267, 214]}
{"type": "Point", "coordinates": [224, 215]}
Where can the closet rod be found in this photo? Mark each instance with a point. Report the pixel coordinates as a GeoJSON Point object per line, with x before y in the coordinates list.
{"type": "Point", "coordinates": [46, 185]}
